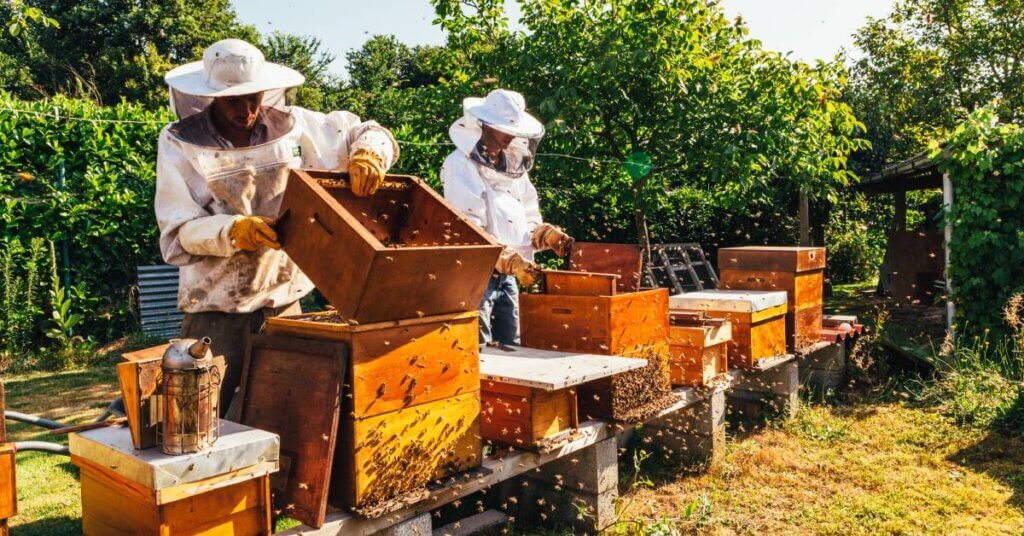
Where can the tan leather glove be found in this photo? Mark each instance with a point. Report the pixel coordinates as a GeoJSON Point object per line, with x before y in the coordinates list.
{"type": "Point", "coordinates": [253, 232]}
{"type": "Point", "coordinates": [526, 272]}
{"type": "Point", "coordinates": [547, 236]}
{"type": "Point", "coordinates": [365, 172]}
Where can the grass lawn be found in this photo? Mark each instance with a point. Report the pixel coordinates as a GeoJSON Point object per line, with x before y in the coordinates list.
{"type": "Point", "coordinates": [874, 468]}
{"type": "Point", "coordinates": [48, 491]}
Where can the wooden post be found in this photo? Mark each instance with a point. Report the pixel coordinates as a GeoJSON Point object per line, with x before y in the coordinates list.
{"type": "Point", "coordinates": [805, 219]}
{"type": "Point", "coordinates": [947, 200]}
{"type": "Point", "coordinates": [899, 221]}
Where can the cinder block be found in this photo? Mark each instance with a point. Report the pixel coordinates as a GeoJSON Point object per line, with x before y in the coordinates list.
{"type": "Point", "coordinates": [417, 526]}
{"type": "Point", "coordinates": [476, 524]}
{"type": "Point", "coordinates": [696, 433]}
{"type": "Point", "coordinates": [594, 469]}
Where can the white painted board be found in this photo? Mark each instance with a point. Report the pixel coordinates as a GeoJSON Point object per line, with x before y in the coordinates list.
{"type": "Point", "coordinates": [237, 448]}
{"type": "Point", "coordinates": [547, 370]}
{"type": "Point", "coordinates": [733, 301]}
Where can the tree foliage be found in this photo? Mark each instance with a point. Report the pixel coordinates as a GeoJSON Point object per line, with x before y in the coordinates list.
{"type": "Point", "coordinates": [669, 80]}
{"type": "Point", "coordinates": [923, 69]}
{"type": "Point", "coordinates": [117, 49]}
{"type": "Point", "coordinates": [985, 160]}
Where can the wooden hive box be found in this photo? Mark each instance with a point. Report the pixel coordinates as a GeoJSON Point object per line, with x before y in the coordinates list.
{"type": "Point", "coordinates": [223, 490]}
{"type": "Point", "coordinates": [583, 312]}
{"type": "Point", "coordinates": [758, 320]}
{"type": "Point", "coordinates": [526, 417]}
{"type": "Point", "coordinates": [529, 396]}
{"type": "Point", "coordinates": [411, 405]}
{"type": "Point", "coordinates": [400, 253]}
{"type": "Point", "coordinates": [623, 260]}
{"type": "Point", "coordinates": [799, 271]}
{"type": "Point", "coordinates": [699, 347]}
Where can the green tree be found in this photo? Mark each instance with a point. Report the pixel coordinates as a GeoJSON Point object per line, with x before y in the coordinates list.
{"type": "Point", "coordinates": [119, 49]}
{"type": "Point", "coordinates": [671, 86]}
{"type": "Point", "coordinates": [923, 69]}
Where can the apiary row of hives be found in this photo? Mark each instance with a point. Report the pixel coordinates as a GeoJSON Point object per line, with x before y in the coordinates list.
{"type": "Point", "coordinates": [404, 273]}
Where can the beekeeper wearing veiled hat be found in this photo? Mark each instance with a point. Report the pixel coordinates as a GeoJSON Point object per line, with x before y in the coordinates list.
{"type": "Point", "coordinates": [486, 178]}
{"type": "Point", "coordinates": [221, 171]}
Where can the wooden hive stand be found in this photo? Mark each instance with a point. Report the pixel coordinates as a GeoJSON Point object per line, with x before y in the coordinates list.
{"type": "Point", "coordinates": [799, 271]}
{"type": "Point", "coordinates": [529, 398]}
{"type": "Point", "coordinates": [223, 490]}
{"type": "Point", "coordinates": [584, 312]}
{"type": "Point", "coordinates": [699, 347]}
{"type": "Point", "coordinates": [409, 409]}
{"type": "Point", "coordinates": [757, 318]}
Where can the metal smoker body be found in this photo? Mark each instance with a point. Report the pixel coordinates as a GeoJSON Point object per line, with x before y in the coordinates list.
{"type": "Point", "coordinates": [189, 398]}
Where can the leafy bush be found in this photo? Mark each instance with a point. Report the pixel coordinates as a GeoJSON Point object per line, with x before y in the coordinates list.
{"type": "Point", "coordinates": [87, 186]}
{"type": "Point", "coordinates": [854, 251]}
{"type": "Point", "coordinates": [985, 161]}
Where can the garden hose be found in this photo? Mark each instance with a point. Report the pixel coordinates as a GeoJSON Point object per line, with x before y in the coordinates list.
{"type": "Point", "coordinates": [42, 446]}
{"type": "Point", "coordinates": [33, 419]}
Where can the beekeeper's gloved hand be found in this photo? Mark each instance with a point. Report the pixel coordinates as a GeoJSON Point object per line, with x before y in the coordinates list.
{"type": "Point", "coordinates": [252, 232]}
{"type": "Point", "coordinates": [547, 236]}
{"type": "Point", "coordinates": [365, 172]}
{"type": "Point", "coordinates": [526, 272]}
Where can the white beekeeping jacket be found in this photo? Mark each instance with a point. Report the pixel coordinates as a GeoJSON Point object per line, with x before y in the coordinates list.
{"type": "Point", "coordinates": [504, 206]}
{"type": "Point", "coordinates": [201, 191]}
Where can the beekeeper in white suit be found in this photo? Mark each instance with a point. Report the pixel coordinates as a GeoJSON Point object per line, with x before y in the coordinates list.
{"type": "Point", "coordinates": [487, 179]}
{"type": "Point", "coordinates": [221, 171]}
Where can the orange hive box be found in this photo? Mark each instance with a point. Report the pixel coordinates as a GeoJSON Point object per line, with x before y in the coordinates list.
{"type": "Point", "coordinates": [799, 271]}
{"type": "Point", "coordinates": [757, 318]}
{"type": "Point", "coordinates": [401, 253]}
{"type": "Point", "coordinates": [529, 395]}
{"type": "Point", "coordinates": [699, 348]}
{"type": "Point", "coordinates": [411, 405]}
{"type": "Point", "coordinates": [583, 312]}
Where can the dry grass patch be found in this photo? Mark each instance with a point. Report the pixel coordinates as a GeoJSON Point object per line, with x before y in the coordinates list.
{"type": "Point", "coordinates": [885, 468]}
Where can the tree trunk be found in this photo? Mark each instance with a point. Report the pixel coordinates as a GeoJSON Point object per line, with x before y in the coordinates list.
{"type": "Point", "coordinates": [642, 235]}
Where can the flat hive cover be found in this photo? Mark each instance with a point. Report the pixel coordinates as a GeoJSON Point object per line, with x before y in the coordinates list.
{"type": "Point", "coordinates": [238, 447]}
{"type": "Point", "coordinates": [734, 301]}
{"type": "Point", "coordinates": [547, 370]}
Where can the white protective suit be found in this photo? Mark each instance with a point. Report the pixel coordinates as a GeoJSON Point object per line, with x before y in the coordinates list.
{"type": "Point", "coordinates": [201, 191]}
{"type": "Point", "coordinates": [504, 206]}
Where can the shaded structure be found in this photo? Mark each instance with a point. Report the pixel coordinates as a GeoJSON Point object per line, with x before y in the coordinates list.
{"type": "Point", "coordinates": [916, 261]}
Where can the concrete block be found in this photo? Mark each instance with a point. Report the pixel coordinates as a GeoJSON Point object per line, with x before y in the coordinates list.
{"type": "Point", "coordinates": [594, 469]}
{"type": "Point", "coordinates": [417, 526]}
{"type": "Point", "coordinates": [488, 520]}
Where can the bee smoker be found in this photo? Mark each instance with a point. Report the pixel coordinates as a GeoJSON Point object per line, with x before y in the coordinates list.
{"type": "Point", "coordinates": [189, 398]}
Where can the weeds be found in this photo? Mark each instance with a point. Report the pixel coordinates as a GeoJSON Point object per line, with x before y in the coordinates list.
{"type": "Point", "coordinates": [978, 382]}
{"type": "Point", "coordinates": [23, 308]}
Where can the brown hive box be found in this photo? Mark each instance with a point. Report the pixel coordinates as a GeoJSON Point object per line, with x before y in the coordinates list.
{"type": "Point", "coordinates": [400, 253]}
{"type": "Point", "coordinates": [411, 407]}
{"type": "Point", "coordinates": [699, 347]}
{"type": "Point", "coordinates": [799, 271]}
{"type": "Point", "coordinates": [623, 260]}
{"type": "Point", "coordinates": [757, 318]}
{"type": "Point", "coordinates": [525, 417]}
{"type": "Point", "coordinates": [583, 312]}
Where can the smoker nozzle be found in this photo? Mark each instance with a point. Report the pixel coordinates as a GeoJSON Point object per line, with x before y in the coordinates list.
{"type": "Point", "coordinates": [198, 349]}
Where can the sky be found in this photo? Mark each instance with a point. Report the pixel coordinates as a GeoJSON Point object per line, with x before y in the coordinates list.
{"type": "Point", "coordinates": [810, 29]}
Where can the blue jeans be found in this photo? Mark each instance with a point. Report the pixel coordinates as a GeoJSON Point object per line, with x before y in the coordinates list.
{"type": "Point", "coordinates": [499, 310]}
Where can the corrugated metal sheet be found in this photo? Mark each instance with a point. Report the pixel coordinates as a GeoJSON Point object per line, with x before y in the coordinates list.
{"type": "Point", "coordinates": [840, 328]}
{"type": "Point", "coordinates": [158, 301]}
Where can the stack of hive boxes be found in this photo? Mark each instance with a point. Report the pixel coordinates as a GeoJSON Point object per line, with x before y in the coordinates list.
{"type": "Point", "coordinates": [757, 320]}
{"type": "Point", "coordinates": [405, 274]}
{"type": "Point", "coordinates": [799, 271]}
{"type": "Point", "coordinates": [699, 348]}
{"type": "Point", "coordinates": [586, 312]}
